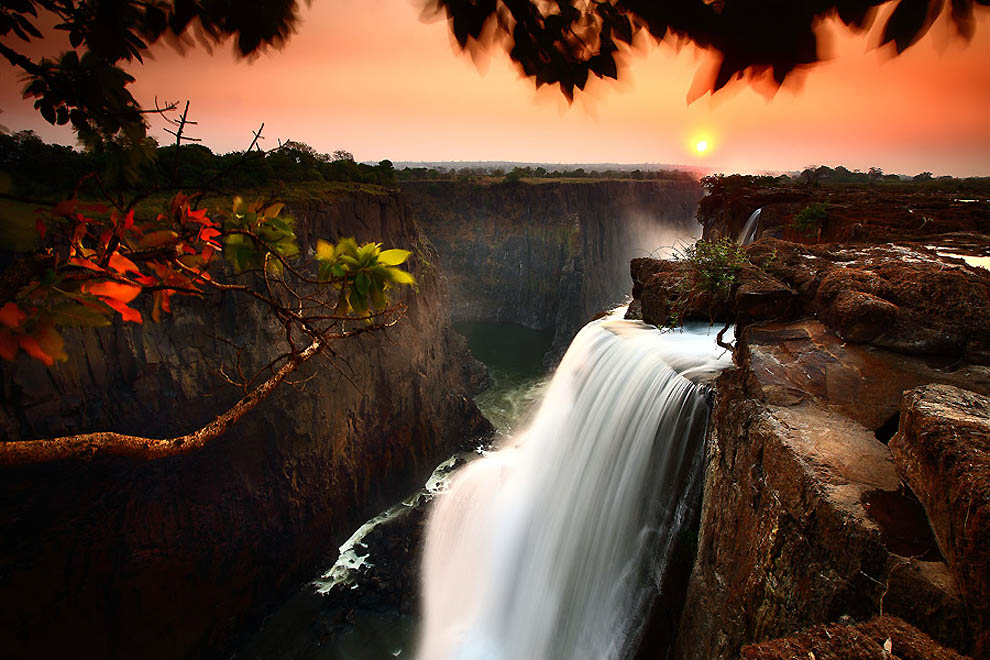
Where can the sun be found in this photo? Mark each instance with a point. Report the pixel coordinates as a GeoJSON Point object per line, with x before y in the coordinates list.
{"type": "Point", "coordinates": [701, 146]}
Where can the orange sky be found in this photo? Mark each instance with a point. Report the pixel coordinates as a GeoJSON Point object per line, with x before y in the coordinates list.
{"type": "Point", "coordinates": [368, 76]}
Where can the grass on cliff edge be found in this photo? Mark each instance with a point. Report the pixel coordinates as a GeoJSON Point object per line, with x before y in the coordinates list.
{"type": "Point", "coordinates": [307, 191]}
{"type": "Point", "coordinates": [17, 218]}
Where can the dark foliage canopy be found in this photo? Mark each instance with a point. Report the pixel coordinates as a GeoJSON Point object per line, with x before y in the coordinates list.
{"type": "Point", "coordinates": [87, 85]}
{"type": "Point", "coordinates": [565, 41]}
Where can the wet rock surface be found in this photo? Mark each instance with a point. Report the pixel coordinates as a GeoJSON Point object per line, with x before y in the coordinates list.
{"type": "Point", "coordinates": [385, 586]}
{"type": "Point", "coordinates": [115, 559]}
{"type": "Point", "coordinates": [793, 531]}
{"type": "Point", "coordinates": [906, 298]}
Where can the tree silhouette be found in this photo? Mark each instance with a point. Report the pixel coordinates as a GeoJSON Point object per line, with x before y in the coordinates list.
{"type": "Point", "coordinates": [91, 260]}
{"type": "Point", "coordinates": [564, 42]}
{"type": "Point", "coordinates": [86, 86]}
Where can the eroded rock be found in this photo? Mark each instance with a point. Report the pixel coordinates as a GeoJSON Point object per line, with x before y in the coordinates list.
{"type": "Point", "coordinates": [883, 638]}
{"type": "Point", "coordinates": [942, 451]}
{"type": "Point", "coordinates": [854, 214]}
{"type": "Point", "coordinates": [792, 529]}
{"type": "Point", "coordinates": [547, 255]}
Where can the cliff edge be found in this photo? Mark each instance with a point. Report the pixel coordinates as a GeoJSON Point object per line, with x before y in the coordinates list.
{"type": "Point", "coordinates": [847, 460]}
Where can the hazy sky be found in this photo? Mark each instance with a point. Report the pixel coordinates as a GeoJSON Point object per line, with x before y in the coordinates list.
{"type": "Point", "coordinates": [370, 77]}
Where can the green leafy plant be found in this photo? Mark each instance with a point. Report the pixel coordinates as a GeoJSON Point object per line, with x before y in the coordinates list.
{"type": "Point", "coordinates": [810, 219]}
{"type": "Point", "coordinates": [717, 262]}
{"type": "Point", "coordinates": [276, 234]}
{"type": "Point", "coordinates": [363, 274]}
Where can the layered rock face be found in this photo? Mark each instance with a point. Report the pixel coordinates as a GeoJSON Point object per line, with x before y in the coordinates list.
{"type": "Point", "coordinates": [804, 517]}
{"type": "Point", "coordinates": [547, 255]}
{"type": "Point", "coordinates": [114, 558]}
{"type": "Point", "coordinates": [884, 637]}
{"type": "Point", "coordinates": [808, 515]}
{"type": "Point", "coordinates": [852, 214]}
{"type": "Point", "coordinates": [942, 451]}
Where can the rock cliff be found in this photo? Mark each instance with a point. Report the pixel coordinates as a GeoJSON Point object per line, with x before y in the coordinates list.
{"type": "Point", "coordinates": [547, 255]}
{"type": "Point", "coordinates": [808, 515]}
{"type": "Point", "coordinates": [117, 559]}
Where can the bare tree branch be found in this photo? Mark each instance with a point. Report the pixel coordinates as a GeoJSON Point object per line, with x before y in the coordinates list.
{"type": "Point", "coordinates": [108, 443]}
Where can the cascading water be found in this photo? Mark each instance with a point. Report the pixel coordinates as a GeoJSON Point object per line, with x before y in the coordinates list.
{"type": "Point", "coordinates": [748, 232]}
{"type": "Point", "coordinates": [550, 548]}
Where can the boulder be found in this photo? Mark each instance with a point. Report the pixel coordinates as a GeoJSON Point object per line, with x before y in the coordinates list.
{"type": "Point", "coordinates": [909, 299]}
{"type": "Point", "coordinates": [942, 451]}
{"type": "Point", "coordinates": [805, 518]}
{"type": "Point", "coordinates": [883, 638]}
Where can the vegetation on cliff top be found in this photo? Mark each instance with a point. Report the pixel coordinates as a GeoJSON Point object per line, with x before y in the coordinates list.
{"type": "Point", "coordinates": [96, 251]}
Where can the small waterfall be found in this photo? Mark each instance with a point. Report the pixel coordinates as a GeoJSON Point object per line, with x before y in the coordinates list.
{"type": "Point", "coordinates": [551, 547]}
{"type": "Point", "coordinates": [748, 232]}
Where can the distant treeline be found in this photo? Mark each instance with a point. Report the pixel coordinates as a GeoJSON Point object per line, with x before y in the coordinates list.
{"type": "Point", "coordinates": [827, 176]}
{"type": "Point", "coordinates": [33, 168]}
{"type": "Point", "coordinates": [520, 173]}
{"type": "Point", "coordinates": [840, 175]}
{"type": "Point", "coordinates": [30, 168]}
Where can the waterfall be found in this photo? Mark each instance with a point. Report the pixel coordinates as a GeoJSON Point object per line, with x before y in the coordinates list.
{"type": "Point", "coordinates": [551, 547]}
{"type": "Point", "coordinates": [748, 232]}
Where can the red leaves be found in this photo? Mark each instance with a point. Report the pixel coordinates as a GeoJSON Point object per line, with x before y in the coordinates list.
{"type": "Point", "coordinates": [126, 313]}
{"type": "Point", "coordinates": [32, 348]}
{"type": "Point", "coordinates": [199, 216]}
{"type": "Point", "coordinates": [111, 259]}
{"type": "Point", "coordinates": [85, 263]}
{"type": "Point", "coordinates": [11, 315]}
{"type": "Point", "coordinates": [210, 236]}
{"type": "Point", "coordinates": [116, 295]}
{"type": "Point", "coordinates": [122, 264]}
{"type": "Point", "coordinates": [162, 303]}
{"type": "Point", "coordinates": [42, 342]}
{"type": "Point", "coordinates": [46, 344]}
{"type": "Point", "coordinates": [124, 293]}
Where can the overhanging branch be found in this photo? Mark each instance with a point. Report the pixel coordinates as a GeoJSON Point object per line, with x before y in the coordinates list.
{"type": "Point", "coordinates": [86, 446]}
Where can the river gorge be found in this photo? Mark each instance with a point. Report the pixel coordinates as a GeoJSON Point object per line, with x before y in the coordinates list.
{"type": "Point", "coordinates": [651, 494]}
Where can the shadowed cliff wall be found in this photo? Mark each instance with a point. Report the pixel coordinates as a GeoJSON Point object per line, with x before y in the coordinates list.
{"type": "Point", "coordinates": [117, 559]}
{"type": "Point", "coordinates": [547, 255]}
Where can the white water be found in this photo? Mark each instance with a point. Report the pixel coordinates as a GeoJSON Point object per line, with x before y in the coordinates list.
{"type": "Point", "coordinates": [748, 232]}
{"type": "Point", "coordinates": [551, 547]}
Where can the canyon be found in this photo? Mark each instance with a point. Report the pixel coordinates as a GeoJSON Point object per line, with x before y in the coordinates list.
{"type": "Point", "coordinates": [845, 466]}
{"type": "Point", "coordinates": [114, 558]}
{"type": "Point", "coordinates": [548, 255]}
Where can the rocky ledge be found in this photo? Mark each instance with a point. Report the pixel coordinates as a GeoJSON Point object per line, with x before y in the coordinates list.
{"type": "Point", "coordinates": [847, 463]}
{"type": "Point", "coordinates": [883, 638]}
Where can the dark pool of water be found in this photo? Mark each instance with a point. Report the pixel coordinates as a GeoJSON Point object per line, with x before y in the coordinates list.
{"type": "Point", "coordinates": [514, 357]}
